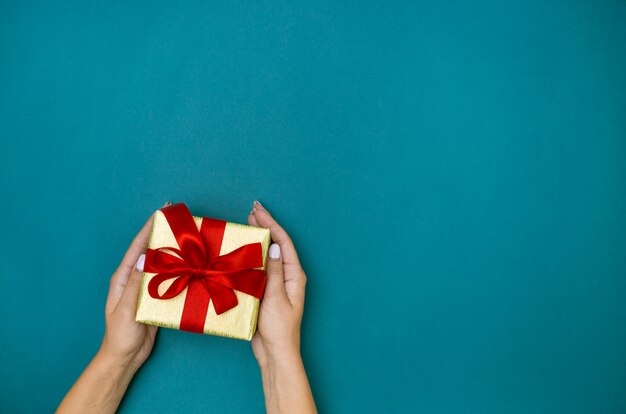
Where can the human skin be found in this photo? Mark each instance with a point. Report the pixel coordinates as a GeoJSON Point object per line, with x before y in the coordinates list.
{"type": "Point", "coordinates": [276, 345]}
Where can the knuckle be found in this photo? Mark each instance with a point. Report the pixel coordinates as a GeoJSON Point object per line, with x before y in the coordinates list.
{"type": "Point", "coordinates": [274, 270]}
{"type": "Point", "coordinates": [281, 234]}
{"type": "Point", "coordinates": [135, 277]}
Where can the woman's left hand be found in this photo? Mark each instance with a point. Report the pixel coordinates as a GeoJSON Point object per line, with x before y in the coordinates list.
{"type": "Point", "coordinates": [126, 340]}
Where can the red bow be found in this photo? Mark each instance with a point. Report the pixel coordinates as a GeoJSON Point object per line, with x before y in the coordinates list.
{"type": "Point", "coordinates": [201, 270]}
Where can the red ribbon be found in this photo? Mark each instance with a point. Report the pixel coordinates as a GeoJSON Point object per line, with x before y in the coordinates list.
{"type": "Point", "coordinates": [201, 270]}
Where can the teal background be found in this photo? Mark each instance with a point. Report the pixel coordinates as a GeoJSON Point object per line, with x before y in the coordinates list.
{"type": "Point", "coordinates": [452, 174]}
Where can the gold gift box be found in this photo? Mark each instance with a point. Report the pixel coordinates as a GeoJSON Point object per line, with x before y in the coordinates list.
{"type": "Point", "coordinates": [239, 322]}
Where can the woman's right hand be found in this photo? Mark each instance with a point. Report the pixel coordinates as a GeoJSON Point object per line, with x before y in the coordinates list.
{"type": "Point", "coordinates": [276, 344]}
{"type": "Point", "coordinates": [283, 303]}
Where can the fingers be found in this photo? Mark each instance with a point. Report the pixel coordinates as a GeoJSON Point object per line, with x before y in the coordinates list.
{"type": "Point", "coordinates": [119, 280]}
{"type": "Point", "coordinates": [116, 289]}
{"type": "Point", "coordinates": [279, 235]}
{"type": "Point", "coordinates": [252, 220]}
{"type": "Point", "coordinates": [275, 288]}
{"type": "Point", "coordinates": [294, 277]}
{"type": "Point", "coordinates": [138, 245]}
{"type": "Point", "coordinates": [129, 298]}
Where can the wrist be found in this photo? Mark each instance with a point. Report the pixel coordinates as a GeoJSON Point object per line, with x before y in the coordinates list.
{"type": "Point", "coordinates": [121, 365]}
{"type": "Point", "coordinates": [281, 358]}
{"type": "Point", "coordinates": [101, 386]}
{"type": "Point", "coordinates": [285, 384]}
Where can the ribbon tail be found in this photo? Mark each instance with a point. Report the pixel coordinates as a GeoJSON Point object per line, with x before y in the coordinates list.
{"type": "Point", "coordinates": [223, 298]}
{"type": "Point", "coordinates": [196, 307]}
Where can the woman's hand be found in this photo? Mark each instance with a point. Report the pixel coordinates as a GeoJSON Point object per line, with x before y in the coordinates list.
{"type": "Point", "coordinates": [126, 340]}
{"type": "Point", "coordinates": [276, 345]}
{"type": "Point", "coordinates": [126, 344]}
{"type": "Point", "coordinates": [282, 306]}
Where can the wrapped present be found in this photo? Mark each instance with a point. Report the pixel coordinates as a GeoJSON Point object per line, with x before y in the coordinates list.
{"type": "Point", "coordinates": [203, 275]}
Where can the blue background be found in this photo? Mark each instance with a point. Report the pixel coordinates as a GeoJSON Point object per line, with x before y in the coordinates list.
{"type": "Point", "coordinates": [452, 173]}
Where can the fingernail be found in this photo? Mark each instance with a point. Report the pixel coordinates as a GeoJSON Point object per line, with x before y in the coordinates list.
{"type": "Point", "coordinates": [140, 262]}
{"type": "Point", "coordinates": [258, 205]}
{"type": "Point", "coordinates": [167, 204]}
{"type": "Point", "coordinates": [274, 251]}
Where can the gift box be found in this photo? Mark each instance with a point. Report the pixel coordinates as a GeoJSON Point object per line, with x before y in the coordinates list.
{"type": "Point", "coordinates": [202, 274]}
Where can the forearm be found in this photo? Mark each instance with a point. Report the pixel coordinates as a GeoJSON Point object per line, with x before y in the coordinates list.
{"type": "Point", "coordinates": [100, 387]}
{"type": "Point", "coordinates": [286, 386]}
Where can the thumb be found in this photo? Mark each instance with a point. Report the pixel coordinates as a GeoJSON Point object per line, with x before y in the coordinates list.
{"type": "Point", "coordinates": [275, 288]}
{"type": "Point", "coordinates": [131, 292]}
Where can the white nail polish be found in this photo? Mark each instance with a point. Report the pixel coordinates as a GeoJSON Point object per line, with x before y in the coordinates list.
{"type": "Point", "coordinates": [259, 205]}
{"type": "Point", "coordinates": [140, 262]}
{"type": "Point", "coordinates": [274, 251]}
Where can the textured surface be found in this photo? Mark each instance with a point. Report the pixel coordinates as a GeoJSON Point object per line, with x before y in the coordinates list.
{"type": "Point", "coordinates": [239, 322]}
{"type": "Point", "coordinates": [452, 174]}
